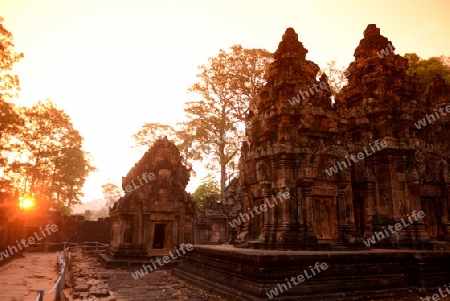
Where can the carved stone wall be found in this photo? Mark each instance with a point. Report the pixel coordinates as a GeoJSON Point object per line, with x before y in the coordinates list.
{"type": "Point", "coordinates": [156, 214]}
{"type": "Point", "coordinates": [216, 221]}
{"type": "Point", "coordinates": [296, 135]}
{"type": "Point", "coordinates": [382, 102]}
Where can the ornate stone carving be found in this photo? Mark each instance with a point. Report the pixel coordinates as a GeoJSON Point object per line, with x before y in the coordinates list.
{"type": "Point", "coordinates": [157, 213]}
{"type": "Point", "coordinates": [295, 135]}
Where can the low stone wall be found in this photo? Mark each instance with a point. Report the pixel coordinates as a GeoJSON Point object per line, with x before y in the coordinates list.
{"type": "Point", "coordinates": [86, 283]}
{"type": "Point", "coordinates": [244, 274]}
{"type": "Point", "coordinates": [76, 229]}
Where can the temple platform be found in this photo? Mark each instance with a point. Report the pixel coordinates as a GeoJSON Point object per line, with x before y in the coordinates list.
{"type": "Point", "coordinates": [124, 258]}
{"type": "Point", "coordinates": [249, 274]}
{"type": "Point", "coordinates": [114, 263]}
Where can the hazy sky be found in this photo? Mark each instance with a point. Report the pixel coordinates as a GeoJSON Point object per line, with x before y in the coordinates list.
{"type": "Point", "coordinates": [113, 65]}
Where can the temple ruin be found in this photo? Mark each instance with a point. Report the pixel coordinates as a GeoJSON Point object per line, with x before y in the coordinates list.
{"type": "Point", "coordinates": [352, 169]}
{"type": "Point", "coordinates": [318, 180]}
{"type": "Point", "coordinates": [156, 214]}
{"type": "Point", "coordinates": [215, 221]}
{"type": "Point", "coordinates": [297, 136]}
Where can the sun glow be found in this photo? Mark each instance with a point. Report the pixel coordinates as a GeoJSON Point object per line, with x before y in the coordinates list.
{"type": "Point", "coordinates": [27, 203]}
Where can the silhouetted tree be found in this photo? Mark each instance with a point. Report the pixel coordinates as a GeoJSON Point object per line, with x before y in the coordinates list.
{"type": "Point", "coordinates": [337, 77]}
{"type": "Point", "coordinates": [215, 120]}
{"type": "Point", "coordinates": [10, 121]}
{"type": "Point", "coordinates": [51, 165]}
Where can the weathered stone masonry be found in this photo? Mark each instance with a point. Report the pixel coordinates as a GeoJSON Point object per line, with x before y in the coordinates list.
{"type": "Point", "coordinates": [293, 145]}
{"type": "Point", "coordinates": [155, 217]}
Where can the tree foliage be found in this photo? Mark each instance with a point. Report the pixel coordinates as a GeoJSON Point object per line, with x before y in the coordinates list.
{"type": "Point", "coordinates": [208, 189]}
{"type": "Point", "coordinates": [413, 62]}
{"type": "Point", "coordinates": [337, 77]}
{"type": "Point", "coordinates": [445, 60]}
{"type": "Point", "coordinates": [51, 165]}
{"type": "Point", "coordinates": [426, 69]}
{"type": "Point", "coordinates": [215, 120]}
{"type": "Point", "coordinates": [111, 193]}
{"type": "Point", "coordinates": [149, 133]}
{"type": "Point", "coordinates": [10, 121]}
{"type": "Point", "coordinates": [10, 124]}
{"type": "Point", "coordinates": [9, 81]}
{"type": "Point", "coordinates": [40, 151]}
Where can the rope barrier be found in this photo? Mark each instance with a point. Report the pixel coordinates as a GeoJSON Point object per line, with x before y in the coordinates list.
{"type": "Point", "coordinates": [55, 243]}
{"type": "Point", "coordinates": [90, 242]}
{"type": "Point", "coordinates": [73, 243]}
{"type": "Point", "coordinates": [61, 257]}
{"type": "Point", "coordinates": [54, 287]}
{"type": "Point", "coordinates": [40, 296]}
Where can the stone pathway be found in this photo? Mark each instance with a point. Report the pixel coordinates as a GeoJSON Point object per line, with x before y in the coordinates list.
{"type": "Point", "coordinates": [21, 278]}
{"type": "Point", "coordinates": [160, 284]}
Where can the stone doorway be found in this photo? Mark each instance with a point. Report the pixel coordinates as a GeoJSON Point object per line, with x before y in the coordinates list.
{"type": "Point", "coordinates": [359, 211]}
{"type": "Point", "coordinates": [324, 218]}
{"type": "Point", "coordinates": [159, 236]}
{"type": "Point", "coordinates": [431, 221]}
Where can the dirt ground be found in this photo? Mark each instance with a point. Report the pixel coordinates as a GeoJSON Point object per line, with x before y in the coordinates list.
{"type": "Point", "coordinates": [21, 278]}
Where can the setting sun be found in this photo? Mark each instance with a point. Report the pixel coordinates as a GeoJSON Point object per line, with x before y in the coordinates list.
{"type": "Point", "coordinates": [27, 203]}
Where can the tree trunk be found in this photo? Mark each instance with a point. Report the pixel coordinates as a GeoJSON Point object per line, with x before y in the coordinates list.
{"type": "Point", "coordinates": [223, 157]}
{"type": "Point", "coordinates": [222, 179]}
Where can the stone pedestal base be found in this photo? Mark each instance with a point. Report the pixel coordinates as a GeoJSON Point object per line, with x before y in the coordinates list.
{"type": "Point", "coordinates": [132, 256]}
{"type": "Point", "coordinates": [128, 251]}
{"type": "Point", "coordinates": [411, 236]}
{"type": "Point", "coordinates": [288, 239]}
{"type": "Point", "coordinates": [350, 237]}
{"type": "Point", "coordinates": [446, 235]}
{"type": "Point", "coordinates": [307, 239]}
{"type": "Point", "coordinates": [247, 274]}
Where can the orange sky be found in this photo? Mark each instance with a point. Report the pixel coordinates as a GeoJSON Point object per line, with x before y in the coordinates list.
{"type": "Point", "coordinates": [113, 65]}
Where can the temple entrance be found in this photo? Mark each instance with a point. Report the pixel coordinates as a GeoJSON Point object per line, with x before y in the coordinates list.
{"type": "Point", "coordinates": [159, 236]}
{"type": "Point", "coordinates": [429, 206]}
{"type": "Point", "coordinates": [324, 218]}
{"type": "Point", "coordinates": [358, 209]}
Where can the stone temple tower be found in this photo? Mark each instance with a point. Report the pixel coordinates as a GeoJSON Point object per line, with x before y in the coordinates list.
{"type": "Point", "coordinates": [302, 145]}
{"type": "Point", "coordinates": [293, 133]}
{"type": "Point", "coordinates": [381, 101]}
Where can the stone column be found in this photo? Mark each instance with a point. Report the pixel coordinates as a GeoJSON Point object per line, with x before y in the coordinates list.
{"type": "Point", "coordinates": [445, 211]}
{"type": "Point", "coordinates": [307, 239]}
{"type": "Point", "coordinates": [243, 236]}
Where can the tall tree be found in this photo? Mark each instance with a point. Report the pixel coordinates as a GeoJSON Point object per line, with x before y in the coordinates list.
{"type": "Point", "coordinates": [10, 121]}
{"type": "Point", "coordinates": [51, 165]}
{"type": "Point", "coordinates": [215, 120]}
